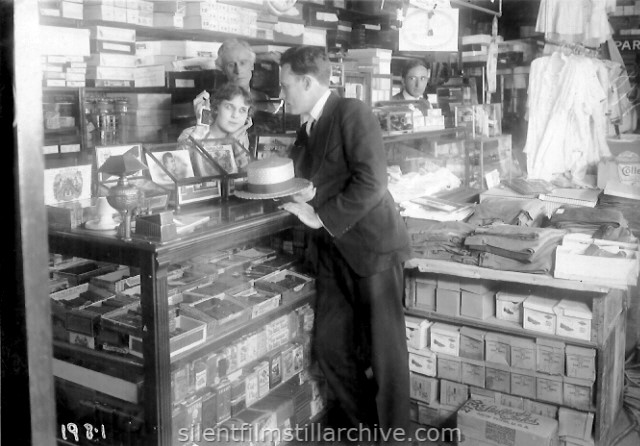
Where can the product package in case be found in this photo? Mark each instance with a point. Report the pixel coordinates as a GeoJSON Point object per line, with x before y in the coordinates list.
{"type": "Point", "coordinates": [288, 283]}
{"type": "Point", "coordinates": [258, 301]}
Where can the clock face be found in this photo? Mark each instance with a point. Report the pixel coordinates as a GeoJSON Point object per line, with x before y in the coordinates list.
{"type": "Point", "coordinates": [435, 30]}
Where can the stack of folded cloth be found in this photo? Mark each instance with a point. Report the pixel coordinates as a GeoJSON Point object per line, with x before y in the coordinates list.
{"type": "Point", "coordinates": [606, 224]}
{"type": "Point", "coordinates": [515, 248]}
{"type": "Point", "coordinates": [440, 240]}
{"type": "Point", "coordinates": [511, 212]}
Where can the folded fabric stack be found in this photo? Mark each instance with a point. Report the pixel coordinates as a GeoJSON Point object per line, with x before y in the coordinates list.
{"type": "Point", "coordinates": [512, 212]}
{"type": "Point", "coordinates": [515, 248]}
{"type": "Point", "coordinates": [606, 224]}
{"type": "Point", "coordinates": [440, 240]}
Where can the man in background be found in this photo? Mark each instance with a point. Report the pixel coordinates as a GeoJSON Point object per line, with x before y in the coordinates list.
{"type": "Point", "coordinates": [415, 77]}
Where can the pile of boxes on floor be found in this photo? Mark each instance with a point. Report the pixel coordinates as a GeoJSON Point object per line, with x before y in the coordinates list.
{"type": "Point", "coordinates": [487, 377]}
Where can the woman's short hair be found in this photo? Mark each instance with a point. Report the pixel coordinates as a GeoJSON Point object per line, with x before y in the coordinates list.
{"type": "Point", "coordinates": [227, 92]}
{"type": "Point", "coordinates": [412, 64]}
{"type": "Point", "coordinates": [230, 46]}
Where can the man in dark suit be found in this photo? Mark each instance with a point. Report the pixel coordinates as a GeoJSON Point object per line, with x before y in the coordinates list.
{"type": "Point", "coordinates": [361, 243]}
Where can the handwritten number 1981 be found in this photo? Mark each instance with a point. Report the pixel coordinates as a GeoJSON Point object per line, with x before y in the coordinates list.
{"type": "Point", "coordinates": [90, 431]}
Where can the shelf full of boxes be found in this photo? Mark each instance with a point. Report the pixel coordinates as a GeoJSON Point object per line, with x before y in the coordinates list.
{"type": "Point", "coordinates": [548, 346]}
{"type": "Point", "coordinates": [148, 49]}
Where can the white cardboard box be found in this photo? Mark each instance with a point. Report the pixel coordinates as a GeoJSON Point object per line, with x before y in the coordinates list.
{"type": "Point", "coordinates": [423, 361]}
{"type": "Point", "coordinates": [497, 348]}
{"type": "Point", "coordinates": [482, 423]}
{"type": "Point", "coordinates": [580, 362]}
{"type": "Point", "coordinates": [523, 383]}
{"type": "Point", "coordinates": [417, 332]}
{"type": "Point", "coordinates": [577, 393]}
{"type": "Point", "coordinates": [498, 378]}
{"type": "Point", "coordinates": [523, 353]}
{"type": "Point", "coordinates": [549, 388]}
{"type": "Point", "coordinates": [538, 314]}
{"type": "Point", "coordinates": [572, 263]}
{"type": "Point", "coordinates": [509, 306]}
{"type": "Point", "coordinates": [472, 343]}
{"type": "Point", "coordinates": [445, 338]}
{"type": "Point", "coordinates": [573, 319]}
{"type": "Point", "coordinates": [449, 367]}
{"type": "Point", "coordinates": [473, 372]}
{"type": "Point", "coordinates": [550, 356]}
{"type": "Point", "coordinates": [574, 423]}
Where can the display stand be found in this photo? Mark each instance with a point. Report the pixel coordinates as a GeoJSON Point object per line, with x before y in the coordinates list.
{"type": "Point", "coordinates": [188, 185]}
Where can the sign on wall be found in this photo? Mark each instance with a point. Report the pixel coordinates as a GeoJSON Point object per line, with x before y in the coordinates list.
{"type": "Point", "coordinates": [429, 30]}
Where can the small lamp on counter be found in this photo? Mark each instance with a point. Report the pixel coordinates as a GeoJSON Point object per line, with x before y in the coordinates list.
{"type": "Point", "coordinates": [124, 196]}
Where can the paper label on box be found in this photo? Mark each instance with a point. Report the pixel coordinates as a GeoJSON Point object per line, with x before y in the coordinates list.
{"type": "Point", "coordinates": [471, 348]}
{"type": "Point", "coordinates": [497, 379]}
{"type": "Point", "coordinates": [539, 321]}
{"type": "Point", "coordinates": [550, 360]}
{"type": "Point", "coordinates": [580, 366]}
{"type": "Point", "coordinates": [523, 385]}
{"type": "Point", "coordinates": [473, 374]}
{"type": "Point", "coordinates": [549, 389]}
{"type": "Point", "coordinates": [497, 352]}
{"type": "Point", "coordinates": [523, 357]}
{"type": "Point", "coordinates": [425, 365]}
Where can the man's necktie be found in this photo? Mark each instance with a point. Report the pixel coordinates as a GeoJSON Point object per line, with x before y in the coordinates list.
{"type": "Point", "coordinates": [299, 153]}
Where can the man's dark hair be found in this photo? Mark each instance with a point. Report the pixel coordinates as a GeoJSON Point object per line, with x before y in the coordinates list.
{"type": "Point", "coordinates": [412, 64]}
{"type": "Point", "coordinates": [308, 60]}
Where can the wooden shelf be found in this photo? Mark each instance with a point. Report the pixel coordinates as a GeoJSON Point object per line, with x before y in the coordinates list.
{"type": "Point", "coordinates": [157, 33]}
{"type": "Point", "coordinates": [418, 135]}
{"type": "Point", "coordinates": [477, 272]}
{"type": "Point", "coordinates": [494, 324]}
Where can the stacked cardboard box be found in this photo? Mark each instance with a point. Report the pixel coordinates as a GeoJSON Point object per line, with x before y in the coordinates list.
{"type": "Point", "coordinates": [376, 61]}
{"type": "Point", "coordinates": [112, 62]}
{"type": "Point", "coordinates": [63, 56]}
{"type": "Point", "coordinates": [221, 17]}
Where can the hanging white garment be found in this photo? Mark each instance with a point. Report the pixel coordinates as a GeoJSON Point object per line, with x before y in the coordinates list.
{"type": "Point", "coordinates": [567, 123]}
{"type": "Point", "coordinates": [574, 21]}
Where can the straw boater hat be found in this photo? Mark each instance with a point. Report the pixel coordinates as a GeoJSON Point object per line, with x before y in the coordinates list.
{"type": "Point", "coordinates": [271, 177]}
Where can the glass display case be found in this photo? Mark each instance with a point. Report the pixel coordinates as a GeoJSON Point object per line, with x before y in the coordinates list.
{"type": "Point", "coordinates": [157, 341]}
{"type": "Point", "coordinates": [398, 117]}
